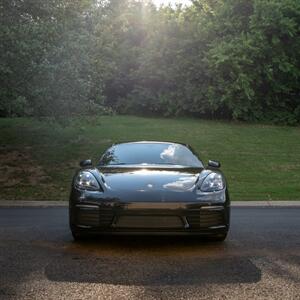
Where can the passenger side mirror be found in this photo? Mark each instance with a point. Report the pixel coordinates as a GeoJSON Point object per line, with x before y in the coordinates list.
{"type": "Point", "coordinates": [214, 164]}
{"type": "Point", "coordinates": [86, 163]}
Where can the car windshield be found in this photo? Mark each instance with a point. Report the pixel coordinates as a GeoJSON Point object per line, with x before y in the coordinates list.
{"type": "Point", "coordinates": [150, 154]}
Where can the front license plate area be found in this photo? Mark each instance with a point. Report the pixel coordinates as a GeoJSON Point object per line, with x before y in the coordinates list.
{"type": "Point", "coordinates": [149, 222]}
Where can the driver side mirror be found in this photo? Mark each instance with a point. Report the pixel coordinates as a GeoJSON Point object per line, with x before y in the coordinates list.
{"type": "Point", "coordinates": [86, 163]}
{"type": "Point", "coordinates": [214, 164]}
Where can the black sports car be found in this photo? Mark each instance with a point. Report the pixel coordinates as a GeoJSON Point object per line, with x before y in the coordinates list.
{"type": "Point", "coordinates": [149, 188]}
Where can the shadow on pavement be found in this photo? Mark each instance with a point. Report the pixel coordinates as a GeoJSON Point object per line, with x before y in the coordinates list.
{"type": "Point", "coordinates": [151, 261]}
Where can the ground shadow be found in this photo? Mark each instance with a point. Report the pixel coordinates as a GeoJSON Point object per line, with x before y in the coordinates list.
{"type": "Point", "coordinates": [151, 261]}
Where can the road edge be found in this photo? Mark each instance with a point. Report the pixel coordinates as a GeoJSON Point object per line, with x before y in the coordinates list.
{"type": "Point", "coordinates": [20, 203]}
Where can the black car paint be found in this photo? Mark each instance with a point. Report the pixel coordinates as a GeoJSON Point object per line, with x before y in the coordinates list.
{"type": "Point", "coordinates": [157, 191]}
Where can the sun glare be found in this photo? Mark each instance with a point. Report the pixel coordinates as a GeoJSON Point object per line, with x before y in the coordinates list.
{"type": "Point", "coordinates": [172, 2]}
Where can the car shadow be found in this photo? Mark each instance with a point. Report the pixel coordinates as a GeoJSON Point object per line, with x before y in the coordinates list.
{"type": "Point", "coordinates": [151, 261]}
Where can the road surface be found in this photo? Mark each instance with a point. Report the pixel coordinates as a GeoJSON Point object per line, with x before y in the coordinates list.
{"type": "Point", "coordinates": [259, 260]}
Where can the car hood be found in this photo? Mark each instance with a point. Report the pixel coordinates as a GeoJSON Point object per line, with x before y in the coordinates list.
{"type": "Point", "coordinates": [150, 179]}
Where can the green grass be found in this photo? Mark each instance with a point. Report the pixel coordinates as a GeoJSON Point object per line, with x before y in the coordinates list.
{"type": "Point", "coordinates": [261, 162]}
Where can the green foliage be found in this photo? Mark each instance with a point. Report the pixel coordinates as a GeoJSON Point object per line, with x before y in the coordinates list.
{"type": "Point", "coordinates": [256, 69]}
{"type": "Point", "coordinates": [46, 59]}
{"type": "Point", "coordinates": [235, 59]}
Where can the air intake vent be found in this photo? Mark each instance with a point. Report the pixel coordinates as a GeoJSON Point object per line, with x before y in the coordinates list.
{"type": "Point", "coordinates": [193, 218]}
{"type": "Point", "coordinates": [211, 218]}
{"type": "Point", "coordinates": [106, 215]}
{"type": "Point", "coordinates": [204, 219]}
{"type": "Point", "coordinates": [88, 217]}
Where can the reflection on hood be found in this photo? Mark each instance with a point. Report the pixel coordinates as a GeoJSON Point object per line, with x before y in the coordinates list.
{"type": "Point", "coordinates": [182, 184]}
{"type": "Point", "coordinates": [150, 180]}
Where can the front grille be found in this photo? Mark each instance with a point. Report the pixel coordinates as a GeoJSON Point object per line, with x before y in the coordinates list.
{"type": "Point", "coordinates": [205, 218]}
{"type": "Point", "coordinates": [158, 222]}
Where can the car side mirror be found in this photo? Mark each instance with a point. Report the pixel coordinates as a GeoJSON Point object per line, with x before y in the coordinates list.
{"type": "Point", "coordinates": [86, 163]}
{"type": "Point", "coordinates": [214, 164]}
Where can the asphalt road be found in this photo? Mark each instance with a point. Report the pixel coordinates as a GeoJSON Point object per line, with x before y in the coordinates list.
{"type": "Point", "coordinates": [259, 260]}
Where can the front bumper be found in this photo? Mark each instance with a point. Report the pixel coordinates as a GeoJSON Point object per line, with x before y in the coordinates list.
{"type": "Point", "coordinates": [117, 217]}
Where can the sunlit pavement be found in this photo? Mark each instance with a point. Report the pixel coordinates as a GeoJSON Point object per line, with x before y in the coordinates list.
{"type": "Point", "coordinates": [260, 259]}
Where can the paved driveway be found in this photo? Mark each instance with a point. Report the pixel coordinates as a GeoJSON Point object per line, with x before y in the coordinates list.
{"type": "Point", "coordinates": [260, 260]}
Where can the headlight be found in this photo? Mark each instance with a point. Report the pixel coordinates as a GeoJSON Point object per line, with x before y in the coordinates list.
{"type": "Point", "coordinates": [86, 180]}
{"type": "Point", "coordinates": [213, 182]}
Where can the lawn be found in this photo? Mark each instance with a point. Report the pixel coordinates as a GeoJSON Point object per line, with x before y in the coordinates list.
{"type": "Point", "coordinates": [38, 158]}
